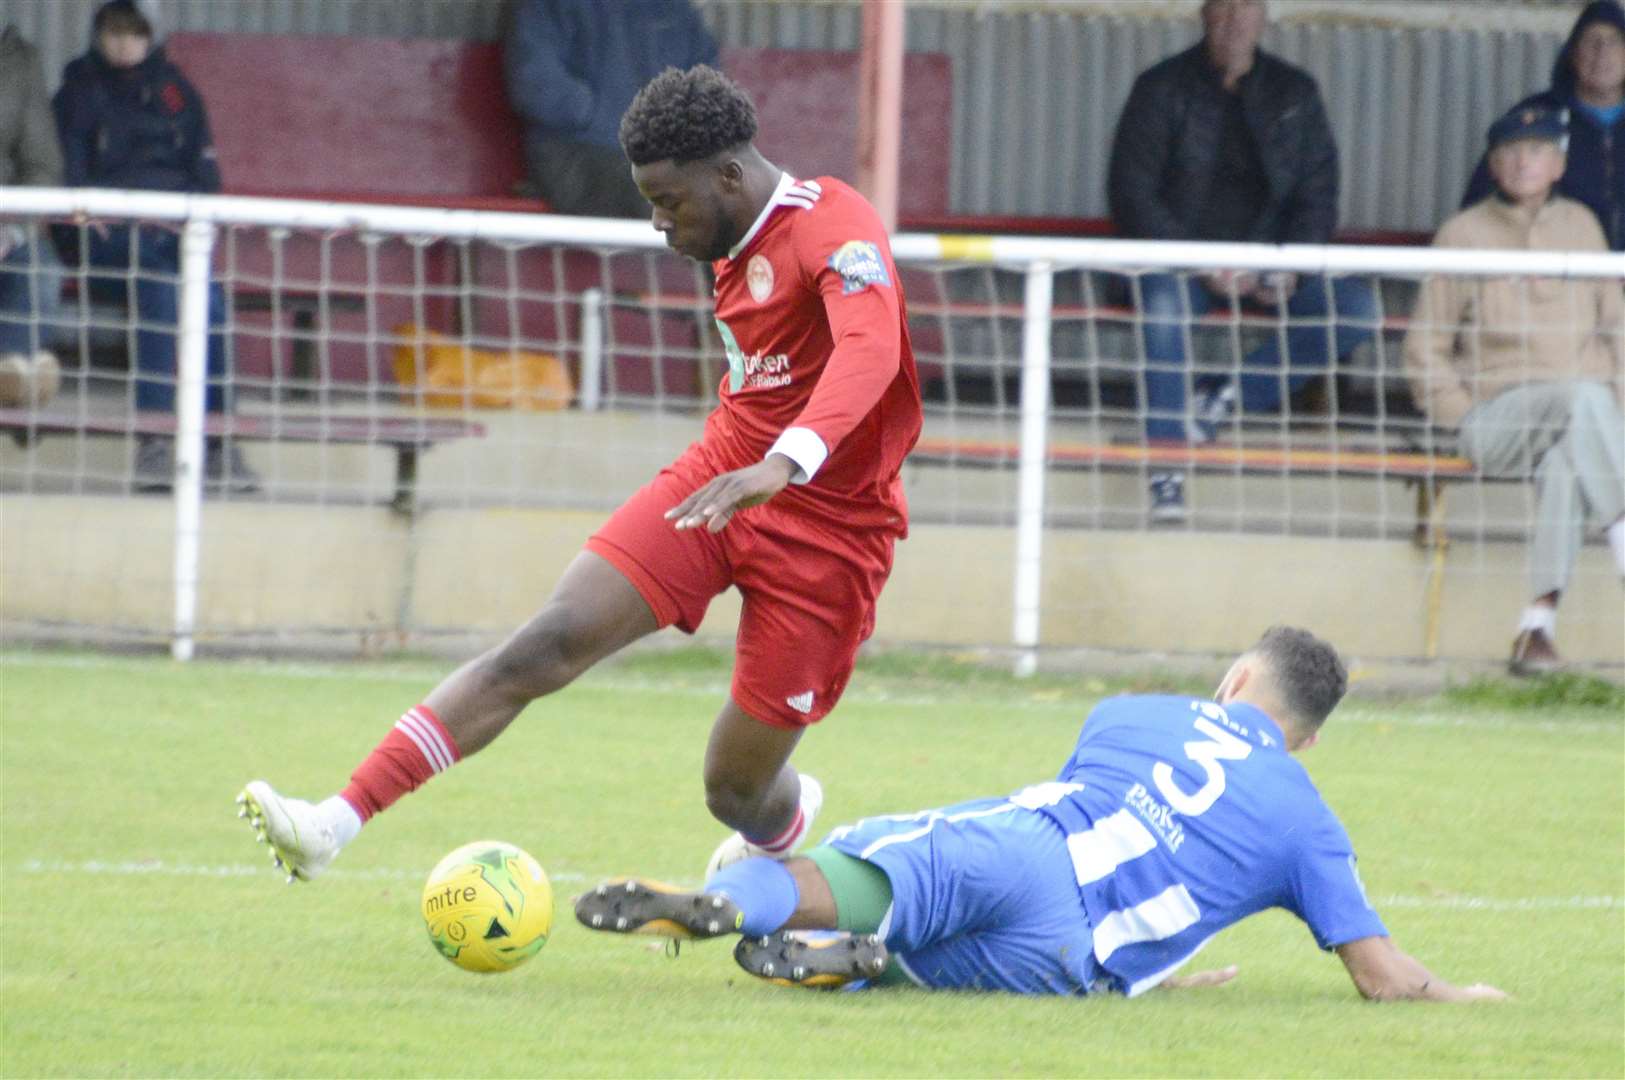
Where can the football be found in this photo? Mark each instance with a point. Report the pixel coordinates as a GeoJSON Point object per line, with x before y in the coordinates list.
{"type": "Point", "coordinates": [488, 906]}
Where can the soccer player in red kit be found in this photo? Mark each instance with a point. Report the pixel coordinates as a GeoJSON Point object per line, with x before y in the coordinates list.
{"type": "Point", "coordinates": [792, 494]}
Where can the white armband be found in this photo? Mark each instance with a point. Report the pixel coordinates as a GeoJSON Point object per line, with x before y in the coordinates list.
{"type": "Point", "coordinates": [804, 447]}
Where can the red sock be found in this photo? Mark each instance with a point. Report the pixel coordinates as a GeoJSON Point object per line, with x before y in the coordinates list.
{"type": "Point", "coordinates": [415, 749]}
{"type": "Point", "coordinates": [787, 838]}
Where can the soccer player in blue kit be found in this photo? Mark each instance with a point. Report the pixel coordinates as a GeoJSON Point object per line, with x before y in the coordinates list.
{"type": "Point", "coordinates": [1174, 818]}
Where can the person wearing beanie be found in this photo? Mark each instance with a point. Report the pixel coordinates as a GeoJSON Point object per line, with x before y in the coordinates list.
{"type": "Point", "coordinates": [1588, 79]}
{"type": "Point", "coordinates": [128, 118]}
{"type": "Point", "coordinates": [1530, 372]}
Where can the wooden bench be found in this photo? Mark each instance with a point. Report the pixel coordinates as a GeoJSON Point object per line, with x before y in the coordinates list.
{"type": "Point", "coordinates": [1428, 473]}
{"type": "Point", "coordinates": [408, 436]}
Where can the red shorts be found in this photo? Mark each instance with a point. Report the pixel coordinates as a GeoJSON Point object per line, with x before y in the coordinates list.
{"type": "Point", "coordinates": [809, 589]}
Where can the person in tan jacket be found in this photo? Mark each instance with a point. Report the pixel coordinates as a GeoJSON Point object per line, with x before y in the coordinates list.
{"type": "Point", "coordinates": [1530, 372]}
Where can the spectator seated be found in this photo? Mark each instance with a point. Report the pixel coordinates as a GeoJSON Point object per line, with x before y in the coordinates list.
{"type": "Point", "coordinates": [428, 123]}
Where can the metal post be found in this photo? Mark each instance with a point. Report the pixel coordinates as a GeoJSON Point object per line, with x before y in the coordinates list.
{"type": "Point", "coordinates": [191, 378]}
{"type": "Point", "coordinates": [1035, 370]}
{"type": "Point", "coordinates": [880, 106]}
{"type": "Point", "coordinates": [592, 349]}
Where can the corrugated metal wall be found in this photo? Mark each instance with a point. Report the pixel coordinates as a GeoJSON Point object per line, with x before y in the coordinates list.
{"type": "Point", "coordinates": [1036, 93]}
{"type": "Point", "coordinates": [1037, 96]}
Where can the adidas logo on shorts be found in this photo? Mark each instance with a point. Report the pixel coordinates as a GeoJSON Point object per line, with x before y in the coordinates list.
{"type": "Point", "coordinates": [801, 703]}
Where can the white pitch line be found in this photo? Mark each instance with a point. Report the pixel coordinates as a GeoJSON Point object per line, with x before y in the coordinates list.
{"type": "Point", "coordinates": [161, 868]}
{"type": "Point", "coordinates": [1495, 903]}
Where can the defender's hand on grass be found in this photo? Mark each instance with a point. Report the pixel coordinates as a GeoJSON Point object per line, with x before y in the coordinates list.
{"type": "Point", "coordinates": [1482, 992]}
{"type": "Point", "coordinates": [1198, 979]}
{"type": "Point", "coordinates": [714, 504]}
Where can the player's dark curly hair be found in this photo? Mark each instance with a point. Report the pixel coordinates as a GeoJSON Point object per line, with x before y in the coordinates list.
{"type": "Point", "coordinates": [687, 116]}
{"type": "Point", "coordinates": [1308, 672]}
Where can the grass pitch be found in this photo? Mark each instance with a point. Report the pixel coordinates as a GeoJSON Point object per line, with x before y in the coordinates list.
{"type": "Point", "coordinates": [143, 933]}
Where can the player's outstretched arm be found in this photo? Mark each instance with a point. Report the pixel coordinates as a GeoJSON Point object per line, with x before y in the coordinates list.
{"type": "Point", "coordinates": [1383, 972]}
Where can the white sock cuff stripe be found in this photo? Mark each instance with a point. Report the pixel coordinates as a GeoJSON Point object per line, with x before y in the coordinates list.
{"type": "Point", "coordinates": [418, 741]}
{"type": "Point", "coordinates": [432, 731]}
{"type": "Point", "coordinates": [431, 725]}
{"type": "Point", "coordinates": [415, 726]}
{"type": "Point", "coordinates": [789, 838]}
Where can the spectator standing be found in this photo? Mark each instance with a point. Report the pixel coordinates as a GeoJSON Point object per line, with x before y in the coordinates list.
{"type": "Point", "coordinates": [29, 280]}
{"type": "Point", "coordinates": [1588, 79]}
{"type": "Point", "coordinates": [128, 118]}
{"type": "Point", "coordinates": [1226, 142]}
{"type": "Point", "coordinates": [573, 67]}
{"type": "Point", "coordinates": [1531, 372]}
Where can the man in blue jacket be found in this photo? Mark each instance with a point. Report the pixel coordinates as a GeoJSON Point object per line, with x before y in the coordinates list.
{"type": "Point", "coordinates": [573, 67]}
{"type": "Point", "coordinates": [128, 118]}
{"type": "Point", "coordinates": [1588, 79]}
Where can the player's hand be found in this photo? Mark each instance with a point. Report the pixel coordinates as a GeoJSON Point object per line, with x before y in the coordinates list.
{"type": "Point", "coordinates": [1274, 290]}
{"type": "Point", "coordinates": [1482, 992]}
{"type": "Point", "coordinates": [1222, 283]}
{"type": "Point", "coordinates": [1198, 979]}
{"type": "Point", "coordinates": [97, 227]}
{"type": "Point", "coordinates": [714, 504]}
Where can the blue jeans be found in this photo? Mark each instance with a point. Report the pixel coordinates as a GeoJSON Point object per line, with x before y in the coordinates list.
{"type": "Point", "coordinates": [156, 305]}
{"type": "Point", "coordinates": [30, 296]}
{"type": "Point", "coordinates": [1169, 302]}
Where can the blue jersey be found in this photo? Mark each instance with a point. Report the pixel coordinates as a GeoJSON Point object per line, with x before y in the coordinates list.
{"type": "Point", "coordinates": [1182, 817]}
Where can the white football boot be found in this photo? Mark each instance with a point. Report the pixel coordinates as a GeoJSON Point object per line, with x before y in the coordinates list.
{"type": "Point", "coordinates": [302, 843]}
{"type": "Point", "coordinates": [736, 847]}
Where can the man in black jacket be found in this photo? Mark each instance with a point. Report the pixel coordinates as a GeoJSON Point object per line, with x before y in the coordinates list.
{"type": "Point", "coordinates": [1225, 142]}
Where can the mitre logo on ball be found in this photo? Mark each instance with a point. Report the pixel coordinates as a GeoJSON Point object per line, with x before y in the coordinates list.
{"type": "Point", "coordinates": [759, 278]}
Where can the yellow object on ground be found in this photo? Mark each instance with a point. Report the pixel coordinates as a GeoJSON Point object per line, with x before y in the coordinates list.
{"type": "Point", "coordinates": [447, 374]}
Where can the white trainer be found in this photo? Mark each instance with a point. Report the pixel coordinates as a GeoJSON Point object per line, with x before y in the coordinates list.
{"type": "Point", "coordinates": [736, 847]}
{"type": "Point", "coordinates": [301, 843]}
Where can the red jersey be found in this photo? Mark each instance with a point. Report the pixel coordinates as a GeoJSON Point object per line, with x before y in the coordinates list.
{"type": "Point", "coordinates": [811, 314]}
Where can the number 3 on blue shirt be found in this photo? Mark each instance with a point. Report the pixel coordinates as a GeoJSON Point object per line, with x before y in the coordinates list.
{"type": "Point", "coordinates": [1220, 745]}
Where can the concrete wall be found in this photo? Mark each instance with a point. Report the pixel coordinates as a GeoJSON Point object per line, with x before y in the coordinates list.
{"type": "Point", "coordinates": [294, 573]}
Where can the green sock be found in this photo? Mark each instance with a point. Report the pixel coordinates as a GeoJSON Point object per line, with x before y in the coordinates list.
{"type": "Point", "coordinates": [862, 894]}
